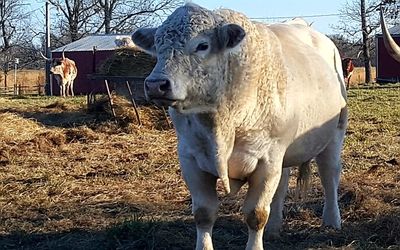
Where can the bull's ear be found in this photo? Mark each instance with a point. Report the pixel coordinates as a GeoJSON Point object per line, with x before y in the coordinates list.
{"type": "Point", "coordinates": [229, 36]}
{"type": "Point", "coordinates": [144, 38]}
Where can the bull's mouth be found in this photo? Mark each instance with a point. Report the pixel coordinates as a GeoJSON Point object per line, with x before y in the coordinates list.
{"type": "Point", "coordinates": [164, 102]}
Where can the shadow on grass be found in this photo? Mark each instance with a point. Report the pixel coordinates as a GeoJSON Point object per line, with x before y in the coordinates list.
{"type": "Point", "coordinates": [128, 235]}
{"type": "Point", "coordinates": [229, 233]}
{"type": "Point", "coordinates": [62, 115]}
{"type": "Point", "coordinates": [64, 119]}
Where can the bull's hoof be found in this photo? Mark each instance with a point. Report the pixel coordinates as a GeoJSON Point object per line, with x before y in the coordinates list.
{"type": "Point", "coordinates": [272, 236]}
{"type": "Point", "coordinates": [328, 229]}
{"type": "Point", "coordinates": [332, 223]}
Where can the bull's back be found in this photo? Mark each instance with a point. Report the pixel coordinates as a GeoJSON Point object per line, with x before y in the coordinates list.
{"type": "Point", "coordinates": [320, 44]}
{"type": "Point", "coordinates": [70, 69]}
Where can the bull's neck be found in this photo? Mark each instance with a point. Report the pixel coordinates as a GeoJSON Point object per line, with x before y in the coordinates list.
{"type": "Point", "coordinates": [219, 130]}
{"type": "Point", "coordinates": [256, 83]}
{"type": "Point", "coordinates": [254, 95]}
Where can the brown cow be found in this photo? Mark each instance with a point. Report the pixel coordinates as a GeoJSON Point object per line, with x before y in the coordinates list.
{"type": "Point", "coordinates": [65, 72]}
{"type": "Point", "coordinates": [348, 68]}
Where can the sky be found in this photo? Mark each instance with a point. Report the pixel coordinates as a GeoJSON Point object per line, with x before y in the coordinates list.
{"type": "Point", "coordinates": [270, 9]}
{"type": "Point", "coordinates": [284, 8]}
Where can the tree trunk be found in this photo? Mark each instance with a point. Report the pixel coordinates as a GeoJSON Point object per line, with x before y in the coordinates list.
{"type": "Point", "coordinates": [107, 17]}
{"type": "Point", "coordinates": [366, 44]}
{"type": "Point", "coordinates": [73, 29]}
{"type": "Point", "coordinates": [107, 22]}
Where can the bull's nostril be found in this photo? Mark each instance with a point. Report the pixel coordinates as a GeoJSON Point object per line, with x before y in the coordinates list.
{"type": "Point", "coordinates": [157, 87]}
{"type": "Point", "coordinates": [165, 86]}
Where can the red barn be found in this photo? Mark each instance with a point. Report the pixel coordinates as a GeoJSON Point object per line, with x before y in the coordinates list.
{"type": "Point", "coordinates": [387, 69]}
{"type": "Point", "coordinates": [88, 53]}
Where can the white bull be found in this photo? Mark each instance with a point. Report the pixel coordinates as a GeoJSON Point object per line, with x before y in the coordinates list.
{"type": "Point", "coordinates": [246, 100]}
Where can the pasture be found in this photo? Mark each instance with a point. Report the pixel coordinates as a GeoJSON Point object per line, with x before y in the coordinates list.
{"type": "Point", "coordinates": [27, 81]}
{"type": "Point", "coordinates": [77, 179]}
{"type": "Point", "coordinates": [358, 77]}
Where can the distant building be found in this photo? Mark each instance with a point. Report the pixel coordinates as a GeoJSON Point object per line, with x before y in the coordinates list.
{"type": "Point", "coordinates": [387, 69]}
{"type": "Point", "coordinates": [89, 53]}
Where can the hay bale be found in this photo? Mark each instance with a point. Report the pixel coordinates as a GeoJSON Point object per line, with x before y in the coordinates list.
{"type": "Point", "coordinates": [151, 116]}
{"type": "Point", "coordinates": [128, 61]}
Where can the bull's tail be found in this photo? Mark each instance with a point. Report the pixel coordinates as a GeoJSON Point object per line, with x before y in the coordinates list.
{"type": "Point", "coordinates": [303, 180]}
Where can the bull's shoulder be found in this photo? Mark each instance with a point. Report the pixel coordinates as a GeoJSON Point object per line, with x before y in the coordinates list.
{"type": "Point", "coordinates": [298, 21]}
{"type": "Point", "coordinates": [300, 33]}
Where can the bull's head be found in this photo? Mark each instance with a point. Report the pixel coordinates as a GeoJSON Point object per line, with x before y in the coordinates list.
{"type": "Point", "coordinates": [192, 48]}
{"type": "Point", "coordinates": [56, 63]}
{"type": "Point", "coordinates": [57, 71]}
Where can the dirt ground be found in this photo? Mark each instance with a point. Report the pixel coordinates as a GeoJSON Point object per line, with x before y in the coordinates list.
{"type": "Point", "coordinates": [73, 178]}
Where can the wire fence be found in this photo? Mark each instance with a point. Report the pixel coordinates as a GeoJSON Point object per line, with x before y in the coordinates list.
{"type": "Point", "coordinates": [21, 90]}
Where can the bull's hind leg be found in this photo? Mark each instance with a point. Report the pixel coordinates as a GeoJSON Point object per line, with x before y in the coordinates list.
{"type": "Point", "coordinates": [329, 168]}
{"type": "Point", "coordinates": [202, 187]}
{"type": "Point", "coordinates": [71, 86]}
{"type": "Point", "coordinates": [67, 89]}
{"type": "Point", "coordinates": [274, 224]}
{"type": "Point", "coordinates": [262, 186]}
{"type": "Point", "coordinates": [62, 89]}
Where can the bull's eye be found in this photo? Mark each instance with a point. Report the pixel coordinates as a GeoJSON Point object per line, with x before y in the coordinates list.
{"type": "Point", "coordinates": [202, 47]}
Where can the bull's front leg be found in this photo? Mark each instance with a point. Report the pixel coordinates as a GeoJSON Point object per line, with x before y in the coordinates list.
{"type": "Point", "coordinates": [202, 187]}
{"type": "Point", "coordinates": [262, 186]}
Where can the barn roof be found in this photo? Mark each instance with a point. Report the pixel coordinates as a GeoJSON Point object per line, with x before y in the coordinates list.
{"type": "Point", "coordinates": [102, 42]}
{"type": "Point", "coordinates": [394, 29]}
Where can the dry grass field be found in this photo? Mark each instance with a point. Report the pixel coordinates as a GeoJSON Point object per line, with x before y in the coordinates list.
{"type": "Point", "coordinates": [24, 82]}
{"type": "Point", "coordinates": [358, 76]}
{"type": "Point", "coordinates": [72, 178]}
{"type": "Point", "coordinates": [25, 77]}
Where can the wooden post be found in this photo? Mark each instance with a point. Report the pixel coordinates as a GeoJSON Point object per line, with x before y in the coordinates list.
{"type": "Point", "coordinates": [166, 117]}
{"type": "Point", "coordinates": [91, 99]}
{"type": "Point", "coordinates": [133, 103]}
{"type": "Point", "coordinates": [88, 104]}
{"type": "Point", "coordinates": [110, 98]}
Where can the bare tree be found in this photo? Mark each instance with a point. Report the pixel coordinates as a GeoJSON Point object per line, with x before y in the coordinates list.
{"type": "Point", "coordinates": [359, 22]}
{"type": "Point", "coordinates": [77, 14]}
{"type": "Point", "coordinates": [347, 48]}
{"type": "Point", "coordinates": [12, 31]}
{"type": "Point", "coordinates": [126, 15]}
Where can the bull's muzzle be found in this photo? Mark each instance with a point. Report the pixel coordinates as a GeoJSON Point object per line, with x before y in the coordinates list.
{"type": "Point", "coordinates": [159, 91]}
